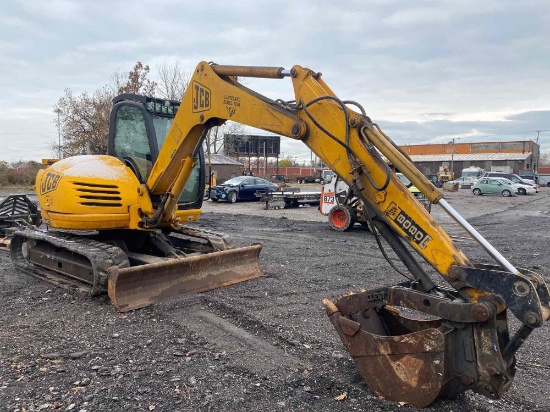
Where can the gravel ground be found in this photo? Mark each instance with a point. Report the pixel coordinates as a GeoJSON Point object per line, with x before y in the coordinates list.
{"type": "Point", "coordinates": [261, 345]}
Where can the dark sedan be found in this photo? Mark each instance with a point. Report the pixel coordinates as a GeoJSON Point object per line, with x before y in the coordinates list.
{"type": "Point", "coordinates": [241, 188]}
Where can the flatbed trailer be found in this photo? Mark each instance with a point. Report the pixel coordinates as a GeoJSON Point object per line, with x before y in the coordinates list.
{"type": "Point", "coordinates": [291, 197]}
{"type": "Point", "coordinates": [544, 180]}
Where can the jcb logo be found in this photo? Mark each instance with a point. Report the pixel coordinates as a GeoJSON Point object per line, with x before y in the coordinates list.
{"type": "Point", "coordinates": [201, 97]}
{"type": "Point", "coordinates": [49, 182]}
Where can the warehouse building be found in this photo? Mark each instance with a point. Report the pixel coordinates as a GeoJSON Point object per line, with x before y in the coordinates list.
{"type": "Point", "coordinates": [501, 156]}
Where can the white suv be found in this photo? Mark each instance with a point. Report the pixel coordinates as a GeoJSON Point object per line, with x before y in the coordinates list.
{"type": "Point", "coordinates": [515, 179]}
{"type": "Point", "coordinates": [521, 189]}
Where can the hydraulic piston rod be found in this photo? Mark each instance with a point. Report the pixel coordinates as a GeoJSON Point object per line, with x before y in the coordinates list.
{"type": "Point", "coordinates": [501, 260]}
{"type": "Point", "coordinates": [251, 71]}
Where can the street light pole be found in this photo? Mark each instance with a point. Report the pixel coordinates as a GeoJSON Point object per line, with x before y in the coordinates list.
{"type": "Point", "coordinates": [452, 156]}
{"type": "Point", "coordinates": [452, 142]}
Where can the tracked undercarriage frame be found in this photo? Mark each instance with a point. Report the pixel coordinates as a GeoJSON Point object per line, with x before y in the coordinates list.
{"type": "Point", "coordinates": [134, 268]}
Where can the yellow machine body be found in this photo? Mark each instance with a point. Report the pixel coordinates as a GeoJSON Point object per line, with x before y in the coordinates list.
{"type": "Point", "coordinates": [93, 192]}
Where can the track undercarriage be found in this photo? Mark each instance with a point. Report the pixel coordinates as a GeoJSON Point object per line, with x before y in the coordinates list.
{"type": "Point", "coordinates": [135, 268]}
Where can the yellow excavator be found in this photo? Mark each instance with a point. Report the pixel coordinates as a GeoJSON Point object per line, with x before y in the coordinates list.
{"type": "Point", "coordinates": [116, 222]}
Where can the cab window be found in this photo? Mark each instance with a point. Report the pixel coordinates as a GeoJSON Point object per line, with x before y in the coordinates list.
{"type": "Point", "coordinates": [191, 191]}
{"type": "Point", "coordinates": [131, 134]}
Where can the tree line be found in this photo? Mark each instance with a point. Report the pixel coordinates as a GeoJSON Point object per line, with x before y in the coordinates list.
{"type": "Point", "coordinates": [23, 176]}
{"type": "Point", "coordinates": [83, 119]}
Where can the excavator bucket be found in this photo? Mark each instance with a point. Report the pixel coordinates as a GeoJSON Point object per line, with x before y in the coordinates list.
{"type": "Point", "coordinates": [414, 358]}
{"type": "Point", "coordinates": [139, 286]}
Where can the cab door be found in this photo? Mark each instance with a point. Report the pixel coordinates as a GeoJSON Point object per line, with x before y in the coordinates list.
{"type": "Point", "coordinates": [137, 129]}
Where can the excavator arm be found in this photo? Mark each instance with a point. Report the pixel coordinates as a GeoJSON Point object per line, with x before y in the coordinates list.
{"type": "Point", "coordinates": [340, 137]}
{"type": "Point", "coordinates": [464, 341]}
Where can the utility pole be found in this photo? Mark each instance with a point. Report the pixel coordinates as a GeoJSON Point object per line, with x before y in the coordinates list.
{"type": "Point", "coordinates": [452, 142]}
{"type": "Point", "coordinates": [536, 161]}
{"type": "Point", "coordinates": [265, 161]}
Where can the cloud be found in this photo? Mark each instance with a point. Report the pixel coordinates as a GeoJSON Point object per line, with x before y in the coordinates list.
{"type": "Point", "coordinates": [521, 126]}
{"type": "Point", "coordinates": [423, 70]}
{"type": "Point", "coordinates": [63, 10]}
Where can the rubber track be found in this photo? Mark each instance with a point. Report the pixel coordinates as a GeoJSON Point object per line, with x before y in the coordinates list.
{"type": "Point", "coordinates": [102, 256]}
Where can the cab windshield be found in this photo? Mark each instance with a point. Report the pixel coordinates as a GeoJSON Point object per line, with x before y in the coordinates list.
{"type": "Point", "coordinates": [191, 191]}
{"type": "Point", "coordinates": [162, 125]}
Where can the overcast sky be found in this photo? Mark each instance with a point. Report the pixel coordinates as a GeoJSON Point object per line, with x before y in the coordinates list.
{"type": "Point", "coordinates": [426, 71]}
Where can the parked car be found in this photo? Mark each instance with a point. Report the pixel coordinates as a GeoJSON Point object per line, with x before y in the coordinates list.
{"type": "Point", "coordinates": [241, 188]}
{"type": "Point", "coordinates": [513, 177]}
{"type": "Point", "coordinates": [521, 188]}
{"type": "Point", "coordinates": [464, 180]}
{"type": "Point", "coordinates": [489, 186]}
{"type": "Point", "coordinates": [320, 176]}
{"type": "Point", "coordinates": [278, 178]}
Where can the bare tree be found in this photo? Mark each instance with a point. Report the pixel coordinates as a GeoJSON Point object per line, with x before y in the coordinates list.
{"type": "Point", "coordinates": [117, 81]}
{"type": "Point", "coordinates": [544, 159]}
{"type": "Point", "coordinates": [83, 120]}
{"type": "Point", "coordinates": [173, 81]}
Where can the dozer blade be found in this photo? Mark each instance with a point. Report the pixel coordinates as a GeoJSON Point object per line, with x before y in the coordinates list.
{"type": "Point", "coordinates": [139, 286]}
{"type": "Point", "coordinates": [420, 357]}
{"type": "Point", "coordinates": [133, 279]}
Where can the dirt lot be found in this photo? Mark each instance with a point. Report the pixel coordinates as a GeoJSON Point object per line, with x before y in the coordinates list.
{"type": "Point", "coordinates": [261, 345]}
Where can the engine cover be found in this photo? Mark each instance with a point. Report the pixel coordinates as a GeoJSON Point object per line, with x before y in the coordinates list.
{"type": "Point", "coordinates": [87, 193]}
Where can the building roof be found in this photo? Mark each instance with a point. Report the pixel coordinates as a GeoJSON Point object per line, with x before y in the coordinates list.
{"type": "Point", "coordinates": [470, 157]}
{"type": "Point", "coordinates": [218, 159]}
{"type": "Point", "coordinates": [18, 165]}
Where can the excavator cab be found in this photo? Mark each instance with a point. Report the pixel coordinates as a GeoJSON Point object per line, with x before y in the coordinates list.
{"type": "Point", "coordinates": [137, 130]}
{"type": "Point", "coordinates": [98, 202]}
